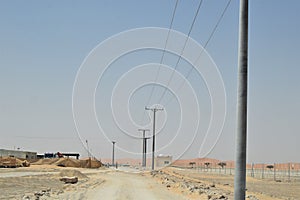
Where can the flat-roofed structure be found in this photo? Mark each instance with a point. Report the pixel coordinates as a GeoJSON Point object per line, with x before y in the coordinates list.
{"type": "Point", "coordinates": [18, 154]}
{"type": "Point", "coordinates": [163, 161]}
{"type": "Point", "coordinates": [71, 154]}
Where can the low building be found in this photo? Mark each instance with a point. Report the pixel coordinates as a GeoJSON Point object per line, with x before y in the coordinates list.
{"type": "Point", "coordinates": [162, 161]}
{"type": "Point", "coordinates": [59, 155]}
{"type": "Point", "coordinates": [18, 154]}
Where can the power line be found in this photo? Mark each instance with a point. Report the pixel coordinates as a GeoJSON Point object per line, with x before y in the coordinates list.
{"type": "Point", "coordinates": [180, 56]}
{"type": "Point", "coordinates": [44, 138]}
{"type": "Point", "coordinates": [164, 51]}
{"type": "Point", "coordinates": [162, 57]}
{"type": "Point", "coordinates": [204, 47]}
{"type": "Point", "coordinates": [197, 59]}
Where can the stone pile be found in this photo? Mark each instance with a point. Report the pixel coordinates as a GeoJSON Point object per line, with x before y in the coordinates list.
{"type": "Point", "coordinates": [206, 191]}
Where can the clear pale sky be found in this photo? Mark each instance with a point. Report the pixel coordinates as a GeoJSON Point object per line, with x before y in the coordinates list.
{"type": "Point", "coordinates": [44, 43]}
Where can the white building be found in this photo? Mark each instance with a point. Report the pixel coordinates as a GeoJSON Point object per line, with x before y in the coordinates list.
{"type": "Point", "coordinates": [18, 154]}
{"type": "Point", "coordinates": [162, 161]}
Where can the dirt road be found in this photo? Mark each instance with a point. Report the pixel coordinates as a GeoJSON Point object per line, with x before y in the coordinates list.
{"type": "Point", "coordinates": [170, 183]}
{"type": "Point", "coordinates": [122, 185]}
{"type": "Point", "coordinates": [30, 183]}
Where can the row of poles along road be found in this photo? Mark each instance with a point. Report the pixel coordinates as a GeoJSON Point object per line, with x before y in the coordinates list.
{"type": "Point", "coordinates": [144, 148]}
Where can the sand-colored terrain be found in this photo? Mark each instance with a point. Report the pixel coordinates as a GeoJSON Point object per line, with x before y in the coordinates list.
{"type": "Point", "coordinates": [223, 185]}
{"type": "Point", "coordinates": [42, 182]}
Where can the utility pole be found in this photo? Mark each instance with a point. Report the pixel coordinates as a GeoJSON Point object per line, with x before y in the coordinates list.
{"type": "Point", "coordinates": [87, 146]}
{"type": "Point", "coordinates": [113, 154]}
{"type": "Point", "coordinates": [144, 147]}
{"type": "Point", "coordinates": [154, 110]}
{"type": "Point", "coordinates": [145, 142]}
{"type": "Point", "coordinates": [241, 135]}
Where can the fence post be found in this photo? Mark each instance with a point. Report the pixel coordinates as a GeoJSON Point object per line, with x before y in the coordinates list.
{"type": "Point", "coordinates": [274, 171]}
{"type": "Point", "coordinates": [263, 171]}
{"type": "Point", "coordinates": [215, 167]}
{"type": "Point", "coordinates": [252, 172]}
{"type": "Point", "coordinates": [289, 171]}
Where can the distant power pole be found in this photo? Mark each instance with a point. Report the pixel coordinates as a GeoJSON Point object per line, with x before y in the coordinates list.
{"type": "Point", "coordinates": [87, 146]}
{"type": "Point", "coordinates": [144, 147]}
{"type": "Point", "coordinates": [241, 135]}
{"type": "Point", "coordinates": [145, 142]}
{"type": "Point", "coordinates": [154, 110]}
{"type": "Point", "coordinates": [113, 154]}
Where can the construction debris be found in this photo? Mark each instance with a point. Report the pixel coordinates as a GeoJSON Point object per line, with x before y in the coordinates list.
{"type": "Point", "coordinates": [72, 173]}
{"type": "Point", "coordinates": [71, 180]}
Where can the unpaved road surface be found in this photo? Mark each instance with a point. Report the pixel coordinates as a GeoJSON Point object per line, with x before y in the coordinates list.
{"type": "Point", "coordinates": [42, 182]}
{"type": "Point", "coordinates": [122, 185]}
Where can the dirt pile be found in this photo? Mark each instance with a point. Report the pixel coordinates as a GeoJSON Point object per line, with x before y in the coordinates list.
{"type": "Point", "coordinates": [72, 173]}
{"type": "Point", "coordinates": [13, 162]}
{"type": "Point", "coordinates": [69, 162]}
{"type": "Point", "coordinates": [46, 161]}
{"type": "Point", "coordinates": [189, 186]}
{"type": "Point", "coordinates": [89, 163]}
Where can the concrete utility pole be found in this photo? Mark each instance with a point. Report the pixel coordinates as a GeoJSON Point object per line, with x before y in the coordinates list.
{"type": "Point", "coordinates": [113, 154]}
{"type": "Point", "coordinates": [144, 147]}
{"type": "Point", "coordinates": [153, 137]}
{"type": "Point", "coordinates": [88, 149]}
{"type": "Point", "coordinates": [241, 135]}
{"type": "Point", "coordinates": [145, 142]}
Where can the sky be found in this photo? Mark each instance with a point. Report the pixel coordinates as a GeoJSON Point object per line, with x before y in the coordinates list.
{"type": "Point", "coordinates": [46, 46]}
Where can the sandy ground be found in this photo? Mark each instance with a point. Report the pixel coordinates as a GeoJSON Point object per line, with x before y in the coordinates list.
{"type": "Point", "coordinates": [42, 182]}
{"type": "Point", "coordinates": [256, 188]}
{"type": "Point", "coordinates": [127, 186]}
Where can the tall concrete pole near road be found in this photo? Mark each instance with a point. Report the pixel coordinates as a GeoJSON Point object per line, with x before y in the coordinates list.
{"type": "Point", "coordinates": [241, 135]}
{"type": "Point", "coordinates": [113, 154]}
{"type": "Point", "coordinates": [145, 142]}
{"type": "Point", "coordinates": [154, 110]}
{"type": "Point", "coordinates": [144, 147]}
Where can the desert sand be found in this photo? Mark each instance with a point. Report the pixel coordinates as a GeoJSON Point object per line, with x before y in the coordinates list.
{"type": "Point", "coordinates": [42, 182]}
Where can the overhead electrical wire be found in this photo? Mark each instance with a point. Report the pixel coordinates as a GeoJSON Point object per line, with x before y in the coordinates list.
{"type": "Point", "coordinates": [180, 56]}
{"type": "Point", "coordinates": [162, 57]}
{"type": "Point", "coordinates": [204, 47]}
{"type": "Point", "coordinates": [182, 51]}
{"type": "Point", "coordinates": [164, 51]}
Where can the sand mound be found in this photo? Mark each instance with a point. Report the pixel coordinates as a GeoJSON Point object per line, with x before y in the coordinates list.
{"type": "Point", "coordinates": [72, 173]}
{"type": "Point", "coordinates": [96, 164]}
{"type": "Point", "coordinates": [46, 161]}
{"type": "Point", "coordinates": [13, 162]}
{"type": "Point", "coordinates": [69, 162]}
{"type": "Point", "coordinates": [89, 163]}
